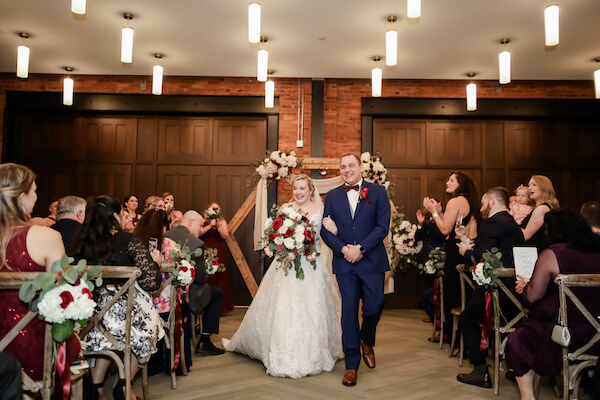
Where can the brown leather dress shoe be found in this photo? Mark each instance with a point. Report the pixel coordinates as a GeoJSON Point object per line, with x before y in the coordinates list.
{"type": "Point", "coordinates": [368, 355]}
{"type": "Point", "coordinates": [349, 378]}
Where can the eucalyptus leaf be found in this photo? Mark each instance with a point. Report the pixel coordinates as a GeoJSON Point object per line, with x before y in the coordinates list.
{"type": "Point", "coordinates": [71, 275]}
{"type": "Point", "coordinates": [99, 281]}
{"type": "Point", "coordinates": [60, 332]}
{"type": "Point", "coordinates": [65, 261]}
{"type": "Point", "coordinates": [34, 305]}
{"type": "Point", "coordinates": [48, 282]}
{"type": "Point", "coordinates": [56, 266]}
{"type": "Point", "coordinates": [27, 292]}
{"type": "Point", "coordinates": [95, 270]}
{"type": "Point", "coordinates": [81, 265]}
{"type": "Point", "coordinates": [84, 277]}
{"type": "Point", "coordinates": [198, 252]}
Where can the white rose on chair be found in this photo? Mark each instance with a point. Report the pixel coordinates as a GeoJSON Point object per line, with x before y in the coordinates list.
{"type": "Point", "coordinates": [186, 274]}
{"type": "Point", "coordinates": [479, 276]}
{"type": "Point", "coordinates": [67, 302]}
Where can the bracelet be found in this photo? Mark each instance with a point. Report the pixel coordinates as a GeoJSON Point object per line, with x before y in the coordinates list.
{"type": "Point", "coordinates": [435, 215]}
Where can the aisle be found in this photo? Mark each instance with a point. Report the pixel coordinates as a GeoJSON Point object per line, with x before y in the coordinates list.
{"type": "Point", "coordinates": [408, 367]}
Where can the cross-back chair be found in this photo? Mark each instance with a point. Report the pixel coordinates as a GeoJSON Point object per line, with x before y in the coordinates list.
{"type": "Point", "coordinates": [440, 294]}
{"type": "Point", "coordinates": [464, 280]}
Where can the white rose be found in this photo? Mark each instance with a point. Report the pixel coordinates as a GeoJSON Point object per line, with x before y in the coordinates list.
{"type": "Point", "coordinates": [365, 157]}
{"type": "Point", "coordinates": [294, 215]}
{"type": "Point", "coordinates": [411, 234]}
{"type": "Point", "coordinates": [283, 171]}
{"type": "Point", "coordinates": [387, 185]}
{"type": "Point", "coordinates": [377, 166]}
{"type": "Point", "coordinates": [274, 155]}
{"type": "Point", "coordinates": [292, 161]}
{"type": "Point", "coordinates": [299, 238]}
{"type": "Point", "coordinates": [288, 222]}
{"type": "Point", "coordinates": [268, 223]}
{"type": "Point", "coordinates": [289, 243]}
{"type": "Point", "coordinates": [50, 306]}
{"type": "Point", "coordinates": [278, 241]}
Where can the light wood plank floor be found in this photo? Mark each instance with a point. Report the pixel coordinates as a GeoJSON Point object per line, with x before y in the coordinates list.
{"type": "Point", "coordinates": [408, 367]}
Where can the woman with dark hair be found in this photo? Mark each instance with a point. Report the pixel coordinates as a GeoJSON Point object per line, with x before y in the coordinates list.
{"type": "Point", "coordinates": [572, 248]}
{"type": "Point", "coordinates": [462, 209]}
{"type": "Point", "coordinates": [541, 191]}
{"type": "Point", "coordinates": [131, 205]}
{"type": "Point", "coordinates": [101, 240]}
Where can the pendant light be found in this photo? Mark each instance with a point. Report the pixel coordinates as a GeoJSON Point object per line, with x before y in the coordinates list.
{"type": "Point", "coordinates": [254, 23]}
{"type": "Point", "coordinates": [504, 64]}
{"type": "Point", "coordinates": [391, 44]}
{"type": "Point", "coordinates": [376, 79]}
{"type": "Point", "coordinates": [157, 76]}
{"type": "Point", "coordinates": [597, 79]}
{"type": "Point", "coordinates": [78, 6]}
{"type": "Point", "coordinates": [23, 58]}
{"type": "Point", "coordinates": [269, 92]}
{"type": "Point", "coordinates": [263, 62]}
{"type": "Point", "coordinates": [68, 88]}
{"type": "Point", "coordinates": [551, 24]}
{"type": "Point", "coordinates": [471, 94]}
{"type": "Point", "coordinates": [413, 8]}
{"type": "Point", "coordinates": [127, 40]}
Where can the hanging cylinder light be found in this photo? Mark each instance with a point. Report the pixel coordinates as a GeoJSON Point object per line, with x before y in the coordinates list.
{"type": "Point", "coordinates": [127, 41]}
{"type": "Point", "coordinates": [254, 23]}
{"type": "Point", "coordinates": [68, 88]}
{"type": "Point", "coordinates": [157, 76]}
{"type": "Point", "coordinates": [23, 58]}
{"type": "Point", "coordinates": [413, 8]}
{"type": "Point", "coordinates": [597, 79]}
{"type": "Point", "coordinates": [551, 24]}
{"type": "Point", "coordinates": [391, 44]}
{"type": "Point", "coordinates": [471, 94]}
{"type": "Point", "coordinates": [78, 6]}
{"type": "Point", "coordinates": [269, 92]}
{"type": "Point", "coordinates": [263, 62]}
{"type": "Point", "coordinates": [376, 79]}
{"type": "Point", "coordinates": [504, 64]}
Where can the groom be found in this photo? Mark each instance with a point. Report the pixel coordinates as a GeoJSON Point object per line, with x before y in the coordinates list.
{"type": "Point", "coordinates": [361, 211]}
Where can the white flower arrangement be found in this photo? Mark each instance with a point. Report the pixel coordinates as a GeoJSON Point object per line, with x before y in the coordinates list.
{"type": "Point", "coordinates": [67, 302]}
{"type": "Point", "coordinates": [374, 170]}
{"type": "Point", "coordinates": [185, 270]}
{"type": "Point", "coordinates": [278, 165]}
{"type": "Point", "coordinates": [436, 256]}
{"type": "Point", "coordinates": [403, 245]}
{"type": "Point", "coordinates": [211, 261]}
{"type": "Point", "coordinates": [483, 272]}
{"type": "Point", "coordinates": [186, 274]}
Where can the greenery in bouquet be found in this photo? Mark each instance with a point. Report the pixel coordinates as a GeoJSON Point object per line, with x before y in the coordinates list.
{"type": "Point", "coordinates": [483, 272]}
{"type": "Point", "coordinates": [212, 213]}
{"type": "Point", "coordinates": [403, 244]}
{"type": "Point", "coordinates": [431, 267]}
{"type": "Point", "coordinates": [211, 260]}
{"type": "Point", "coordinates": [374, 171]}
{"type": "Point", "coordinates": [63, 297]}
{"type": "Point", "coordinates": [277, 165]}
{"type": "Point", "coordinates": [288, 236]}
{"type": "Point", "coordinates": [185, 270]}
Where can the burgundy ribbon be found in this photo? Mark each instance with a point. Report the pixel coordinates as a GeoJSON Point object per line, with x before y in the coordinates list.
{"type": "Point", "coordinates": [67, 353]}
{"type": "Point", "coordinates": [436, 302]}
{"type": "Point", "coordinates": [488, 321]}
{"type": "Point", "coordinates": [178, 332]}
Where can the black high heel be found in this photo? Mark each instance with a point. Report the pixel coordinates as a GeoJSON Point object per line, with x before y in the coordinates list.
{"type": "Point", "coordinates": [95, 390]}
{"type": "Point", "coordinates": [119, 391]}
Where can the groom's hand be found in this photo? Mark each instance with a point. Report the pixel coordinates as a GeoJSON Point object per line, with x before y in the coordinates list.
{"type": "Point", "coordinates": [352, 253]}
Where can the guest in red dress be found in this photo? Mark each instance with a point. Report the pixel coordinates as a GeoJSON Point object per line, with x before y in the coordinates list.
{"type": "Point", "coordinates": [23, 248]}
{"type": "Point", "coordinates": [214, 233]}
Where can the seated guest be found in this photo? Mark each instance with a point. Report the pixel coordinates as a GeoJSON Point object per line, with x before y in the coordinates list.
{"type": "Point", "coordinates": [101, 240]}
{"type": "Point", "coordinates": [169, 200]}
{"type": "Point", "coordinates": [572, 249]}
{"type": "Point", "coordinates": [203, 297]}
{"type": "Point", "coordinates": [154, 202]}
{"type": "Point", "coordinates": [70, 214]}
{"type": "Point", "coordinates": [175, 218]}
{"type": "Point", "coordinates": [497, 230]}
{"type": "Point", "coordinates": [50, 219]}
{"type": "Point", "coordinates": [131, 205]}
{"type": "Point", "coordinates": [591, 213]}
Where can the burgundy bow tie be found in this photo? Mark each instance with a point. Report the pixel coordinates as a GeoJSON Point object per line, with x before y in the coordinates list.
{"type": "Point", "coordinates": [348, 187]}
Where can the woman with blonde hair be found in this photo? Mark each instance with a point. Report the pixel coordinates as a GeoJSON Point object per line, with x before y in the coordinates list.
{"type": "Point", "coordinates": [23, 248]}
{"type": "Point", "coordinates": [541, 191]}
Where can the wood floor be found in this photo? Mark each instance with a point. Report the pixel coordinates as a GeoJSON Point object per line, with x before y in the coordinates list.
{"type": "Point", "coordinates": [408, 367]}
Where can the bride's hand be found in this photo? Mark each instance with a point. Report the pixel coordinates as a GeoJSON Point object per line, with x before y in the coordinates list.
{"type": "Point", "coordinates": [330, 225]}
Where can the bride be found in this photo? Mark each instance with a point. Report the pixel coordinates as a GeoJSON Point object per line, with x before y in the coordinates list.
{"type": "Point", "coordinates": [292, 325]}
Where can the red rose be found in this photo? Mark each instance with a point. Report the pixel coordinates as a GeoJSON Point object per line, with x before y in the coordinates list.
{"type": "Point", "coordinates": [306, 251]}
{"type": "Point", "coordinates": [215, 262]}
{"type": "Point", "coordinates": [289, 232]}
{"type": "Point", "coordinates": [272, 236]}
{"type": "Point", "coordinates": [193, 272]}
{"type": "Point", "coordinates": [67, 298]}
{"type": "Point", "coordinates": [87, 291]}
{"type": "Point", "coordinates": [183, 269]}
{"type": "Point", "coordinates": [308, 236]}
{"type": "Point", "coordinates": [364, 192]}
{"type": "Point", "coordinates": [277, 223]}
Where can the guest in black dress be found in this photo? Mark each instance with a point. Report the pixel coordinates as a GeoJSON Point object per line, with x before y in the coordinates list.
{"type": "Point", "coordinates": [542, 192]}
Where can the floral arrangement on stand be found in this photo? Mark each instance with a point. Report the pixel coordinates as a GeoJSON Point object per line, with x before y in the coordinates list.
{"type": "Point", "coordinates": [374, 171]}
{"type": "Point", "coordinates": [212, 213]}
{"type": "Point", "coordinates": [483, 272]}
{"type": "Point", "coordinates": [403, 245]}
{"type": "Point", "coordinates": [185, 270]}
{"type": "Point", "coordinates": [431, 267]}
{"type": "Point", "coordinates": [64, 295]}
{"type": "Point", "coordinates": [277, 165]}
{"type": "Point", "coordinates": [289, 235]}
{"type": "Point", "coordinates": [211, 261]}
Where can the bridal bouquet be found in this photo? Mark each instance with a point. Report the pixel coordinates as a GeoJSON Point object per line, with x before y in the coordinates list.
{"type": "Point", "coordinates": [185, 270]}
{"type": "Point", "coordinates": [289, 236]}
{"type": "Point", "coordinates": [212, 213]}
{"type": "Point", "coordinates": [65, 295]}
{"type": "Point", "coordinates": [403, 245]}
{"type": "Point", "coordinates": [278, 164]}
{"type": "Point", "coordinates": [211, 261]}
{"type": "Point", "coordinates": [436, 256]}
{"type": "Point", "coordinates": [374, 171]}
{"type": "Point", "coordinates": [483, 272]}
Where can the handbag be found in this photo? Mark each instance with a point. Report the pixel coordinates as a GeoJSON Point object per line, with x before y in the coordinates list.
{"type": "Point", "coordinates": [561, 334]}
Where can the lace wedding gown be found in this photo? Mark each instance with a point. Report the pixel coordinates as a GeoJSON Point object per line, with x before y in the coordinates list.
{"type": "Point", "coordinates": [292, 325]}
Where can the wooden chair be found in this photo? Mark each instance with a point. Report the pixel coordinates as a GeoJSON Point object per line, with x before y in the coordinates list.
{"type": "Point", "coordinates": [574, 362]}
{"type": "Point", "coordinates": [464, 279]}
{"type": "Point", "coordinates": [440, 279]}
{"type": "Point", "coordinates": [13, 281]}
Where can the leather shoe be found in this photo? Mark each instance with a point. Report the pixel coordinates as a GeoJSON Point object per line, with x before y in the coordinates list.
{"type": "Point", "coordinates": [349, 378]}
{"type": "Point", "coordinates": [368, 355]}
{"type": "Point", "coordinates": [208, 349]}
{"type": "Point", "coordinates": [476, 378]}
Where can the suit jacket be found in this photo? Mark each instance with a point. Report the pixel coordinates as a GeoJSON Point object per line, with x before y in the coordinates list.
{"type": "Point", "coordinates": [199, 289]}
{"type": "Point", "coordinates": [501, 231]}
{"type": "Point", "coordinates": [370, 225]}
{"type": "Point", "coordinates": [67, 228]}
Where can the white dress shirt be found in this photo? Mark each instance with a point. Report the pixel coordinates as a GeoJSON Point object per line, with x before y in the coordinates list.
{"type": "Point", "coordinates": [353, 197]}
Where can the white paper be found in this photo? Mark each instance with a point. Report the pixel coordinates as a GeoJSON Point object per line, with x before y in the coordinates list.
{"type": "Point", "coordinates": [525, 258]}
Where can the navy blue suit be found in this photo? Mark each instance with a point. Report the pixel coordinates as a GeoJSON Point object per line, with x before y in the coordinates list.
{"type": "Point", "coordinates": [365, 278]}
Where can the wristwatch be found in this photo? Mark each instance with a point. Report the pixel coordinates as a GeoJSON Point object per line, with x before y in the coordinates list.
{"type": "Point", "coordinates": [362, 249]}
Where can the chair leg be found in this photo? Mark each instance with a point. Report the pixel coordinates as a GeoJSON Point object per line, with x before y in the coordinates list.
{"type": "Point", "coordinates": [145, 392]}
{"type": "Point", "coordinates": [497, 345]}
{"type": "Point", "coordinates": [442, 319]}
{"type": "Point", "coordinates": [454, 330]}
{"type": "Point", "coordinates": [461, 351]}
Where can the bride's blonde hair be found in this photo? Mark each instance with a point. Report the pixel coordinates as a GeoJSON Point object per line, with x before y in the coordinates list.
{"type": "Point", "coordinates": [311, 184]}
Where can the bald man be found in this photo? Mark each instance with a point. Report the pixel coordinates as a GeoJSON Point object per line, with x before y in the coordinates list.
{"type": "Point", "coordinates": [203, 297]}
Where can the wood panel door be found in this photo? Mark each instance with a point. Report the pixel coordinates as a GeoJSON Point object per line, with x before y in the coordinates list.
{"type": "Point", "coordinates": [189, 184]}
{"type": "Point", "coordinates": [184, 140]}
{"type": "Point", "coordinates": [105, 179]}
{"type": "Point", "coordinates": [454, 144]}
{"type": "Point", "coordinates": [403, 142]}
{"type": "Point", "coordinates": [238, 141]}
{"type": "Point", "coordinates": [48, 138]}
{"type": "Point", "coordinates": [107, 140]}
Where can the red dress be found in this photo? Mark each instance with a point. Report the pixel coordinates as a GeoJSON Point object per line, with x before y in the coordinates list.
{"type": "Point", "coordinates": [28, 346]}
{"type": "Point", "coordinates": [221, 279]}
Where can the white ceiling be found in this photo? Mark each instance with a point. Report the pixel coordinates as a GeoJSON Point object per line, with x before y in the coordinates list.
{"type": "Point", "coordinates": [307, 38]}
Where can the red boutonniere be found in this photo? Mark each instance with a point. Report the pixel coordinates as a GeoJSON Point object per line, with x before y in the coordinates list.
{"type": "Point", "coordinates": [363, 194]}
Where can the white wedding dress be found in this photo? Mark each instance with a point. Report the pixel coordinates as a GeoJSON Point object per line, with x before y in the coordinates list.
{"type": "Point", "coordinates": [292, 325]}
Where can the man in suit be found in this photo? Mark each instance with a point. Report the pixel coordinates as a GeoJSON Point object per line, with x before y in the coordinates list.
{"type": "Point", "coordinates": [70, 213]}
{"type": "Point", "coordinates": [498, 230]}
{"type": "Point", "coordinates": [361, 211]}
{"type": "Point", "coordinates": [203, 297]}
